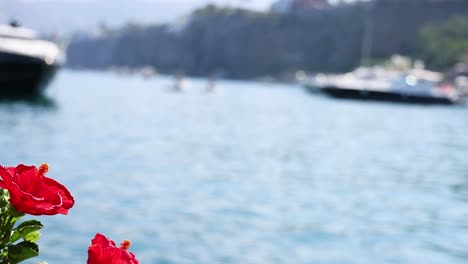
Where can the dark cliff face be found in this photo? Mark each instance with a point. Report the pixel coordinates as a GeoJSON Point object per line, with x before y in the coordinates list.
{"type": "Point", "coordinates": [243, 44]}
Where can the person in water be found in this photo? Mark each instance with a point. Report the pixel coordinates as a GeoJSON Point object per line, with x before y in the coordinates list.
{"type": "Point", "coordinates": [211, 86]}
{"type": "Point", "coordinates": [179, 81]}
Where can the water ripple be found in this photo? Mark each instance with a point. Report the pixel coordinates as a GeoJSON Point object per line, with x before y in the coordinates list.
{"type": "Point", "coordinates": [256, 173]}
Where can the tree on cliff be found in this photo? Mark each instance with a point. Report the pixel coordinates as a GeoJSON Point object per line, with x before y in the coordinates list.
{"type": "Point", "coordinates": [444, 45]}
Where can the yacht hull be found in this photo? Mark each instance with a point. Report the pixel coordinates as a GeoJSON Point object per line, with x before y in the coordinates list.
{"type": "Point", "coordinates": [22, 75]}
{"type": "Point", "coordinates": [373, 95]}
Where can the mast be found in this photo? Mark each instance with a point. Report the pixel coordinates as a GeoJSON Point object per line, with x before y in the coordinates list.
{"type": "Point", "coordinates": [366, 48]}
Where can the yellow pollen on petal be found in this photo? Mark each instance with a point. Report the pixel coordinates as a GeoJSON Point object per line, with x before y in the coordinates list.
{"type": "Point", "coordinates": [43, 169]}
{"type": "Point", "coordinates": [125, 244]}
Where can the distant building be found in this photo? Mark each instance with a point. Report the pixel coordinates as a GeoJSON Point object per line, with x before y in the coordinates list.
{"type": "Point", "coordinates": [285, 6]}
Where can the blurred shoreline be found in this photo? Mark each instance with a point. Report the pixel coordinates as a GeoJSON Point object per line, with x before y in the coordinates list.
{"type": "Point", "coordinates": [242, 44]}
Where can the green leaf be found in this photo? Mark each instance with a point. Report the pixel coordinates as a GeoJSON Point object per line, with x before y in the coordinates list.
{"type": "Point", "coordinates": [22, 251]}
{"type": "Point", "coordinates": [4, 198]}
{"type": "Point", "coordinates": [13, 212]}
{"type": "Point", "coordinates": [24, 229]}
{"type": "Point", "coordinates": [32, 237]}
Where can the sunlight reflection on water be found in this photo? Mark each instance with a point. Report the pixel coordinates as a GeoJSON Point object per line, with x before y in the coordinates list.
{"type": "Point", "coordinates": [257, 173]}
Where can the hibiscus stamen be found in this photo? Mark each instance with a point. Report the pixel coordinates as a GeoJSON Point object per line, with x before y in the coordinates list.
{"type": "Point", "coordinates": [43, 169]}
{"type": "Point", "coordinates": [125, 244]}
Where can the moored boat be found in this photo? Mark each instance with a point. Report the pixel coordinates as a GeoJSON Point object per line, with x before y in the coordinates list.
{"type": "Point", "coordinates": [417, 87]}
{"type": "Point", "coordinates": [27, 63]}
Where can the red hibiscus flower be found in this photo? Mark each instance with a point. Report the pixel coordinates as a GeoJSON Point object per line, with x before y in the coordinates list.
{"type": "Point", "coordinates": [31, 192]}
{"type": "Point", "coordinates": [104, 251]}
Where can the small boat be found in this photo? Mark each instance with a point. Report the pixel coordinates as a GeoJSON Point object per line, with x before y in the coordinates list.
{"type": "Point", "coordinates": [391, 86]}
{"type": "Point", "coordinates": [27, 63]}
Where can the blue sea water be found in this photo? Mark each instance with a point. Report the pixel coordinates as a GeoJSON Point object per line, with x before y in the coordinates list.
{"type": "Point", "coordinates": [254, 173]}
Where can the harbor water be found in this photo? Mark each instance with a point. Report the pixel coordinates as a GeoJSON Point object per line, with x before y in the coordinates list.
{"type": "Point", "coordinates": [253, 173]}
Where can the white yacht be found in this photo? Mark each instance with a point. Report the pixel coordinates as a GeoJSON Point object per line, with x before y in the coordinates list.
{"type": "Point", "coordinates": [27, 63]}
{"type": "Point", "coordinates": [413, 86]}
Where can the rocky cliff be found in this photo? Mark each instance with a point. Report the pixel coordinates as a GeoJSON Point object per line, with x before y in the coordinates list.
{"type": "Point", "coordinates": [245, 44]}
